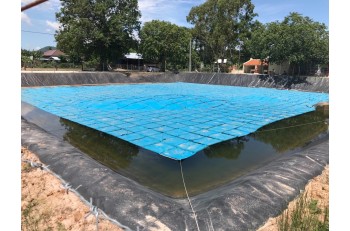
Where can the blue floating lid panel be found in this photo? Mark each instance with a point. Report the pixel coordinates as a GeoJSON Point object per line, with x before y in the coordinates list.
{"type": "Point", "coordinates": [175, 120]}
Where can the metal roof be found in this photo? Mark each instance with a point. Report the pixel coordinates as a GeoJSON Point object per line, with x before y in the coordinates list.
{"type": "Point", "coordinates": [133, 56]}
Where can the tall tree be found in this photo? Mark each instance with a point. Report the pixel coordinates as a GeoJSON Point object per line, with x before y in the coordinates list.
{"type": "Point", "coordinates": [99, 29]}
{"type": "Point", "coordinates": [297, 40]}
{"type": "Point", "coordinates": [220, 26]}
{"type": "Point", "coordinates": [306, 42]}
{"type": "Point", "coordinates": [165, 43]}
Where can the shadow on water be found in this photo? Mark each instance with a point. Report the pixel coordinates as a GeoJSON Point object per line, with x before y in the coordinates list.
{"type": "Point", "coordinates": [214, 166]}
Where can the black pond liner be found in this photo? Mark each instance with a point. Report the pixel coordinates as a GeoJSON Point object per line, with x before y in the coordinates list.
{"type": "Point", "coordinates": [113, 192]}
{"type": "Point", "coordinates": [244, 203]}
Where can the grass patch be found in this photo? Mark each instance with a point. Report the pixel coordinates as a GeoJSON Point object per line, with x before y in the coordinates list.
{"type": "Point", "coordinates": [26, 167]}
{"type": "Point", "coordinates": [33, 219]}
{"type": "Point", "coordinates": [30, 220]}
{"type": "Point", "coordinates": [306, 215]}
{"type": "Point", "coordinates": [60, 227]}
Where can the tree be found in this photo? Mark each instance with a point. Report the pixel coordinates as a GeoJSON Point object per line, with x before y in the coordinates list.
{"type": "Point", "coordinates": [165, 43]}
{"type": "Point", "coordinates": [29, 57]}
{"type": "Point", "coordinates": [306, 42]}
{"type": "Point", "coordinates": [101, 29]}
{"type": "Point", "coordinates": [297, 40]}
{"type": "Point", "coordinates": [220, 26]}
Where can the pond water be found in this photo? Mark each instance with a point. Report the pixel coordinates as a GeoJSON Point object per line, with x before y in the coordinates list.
{"type": "Point", "coordinates": [211, 167]}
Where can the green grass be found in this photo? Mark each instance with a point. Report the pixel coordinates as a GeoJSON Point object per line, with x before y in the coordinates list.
{"type": "Point", "coordinates": [29, 220]}
{"type": "Point", "coordinates": [33, 220]}
{"type": "Point", "coordinates": [305, 216]}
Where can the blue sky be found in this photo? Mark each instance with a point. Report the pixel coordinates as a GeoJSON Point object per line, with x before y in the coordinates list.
{"type": "Point", "coordinates": [41, 19]}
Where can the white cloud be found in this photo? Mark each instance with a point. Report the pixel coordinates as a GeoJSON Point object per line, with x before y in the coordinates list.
{"type": "Point", "coordinates": [53, 25]}
{"type": "Point", "coordinates": [26, 1]}
{"type": "Point", "coordinates": [174, 11]}
{"type": "Point", "coordinates": [25, 18]}
{"type": "Point", "coordinates": [54, 5]}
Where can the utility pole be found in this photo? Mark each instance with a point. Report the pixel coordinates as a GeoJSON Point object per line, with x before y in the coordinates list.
{"type": "Point", "coordinates": [189, 62]}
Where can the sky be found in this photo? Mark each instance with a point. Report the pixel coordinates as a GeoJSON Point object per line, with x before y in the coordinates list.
{"type": "Point", "coordinates": [38, 24]}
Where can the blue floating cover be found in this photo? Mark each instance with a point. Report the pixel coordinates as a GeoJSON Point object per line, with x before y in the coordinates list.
{"type": "Point", "coordinates": [175, 120]}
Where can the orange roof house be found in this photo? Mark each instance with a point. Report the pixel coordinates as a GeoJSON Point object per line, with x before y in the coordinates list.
{"type": "Point", "coordinates": [254, 66]}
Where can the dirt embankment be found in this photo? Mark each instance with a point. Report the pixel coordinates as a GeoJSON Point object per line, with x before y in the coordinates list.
{"type": "Point", "coordinates": [47, 205]}
{"type": "Point", "coordinates": [316, 190]}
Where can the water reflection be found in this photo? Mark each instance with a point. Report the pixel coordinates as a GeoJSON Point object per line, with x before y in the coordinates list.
{"type": "Point", "coordinates": [294, 132]}
{"type": "Point", "coordinates": [229, 149]}
{"type": "Point", "coordinates": [214, 166]}
{"type": "Point", "coordinates": [114, 153]}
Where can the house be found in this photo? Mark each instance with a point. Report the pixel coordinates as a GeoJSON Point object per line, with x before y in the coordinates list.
{"type": "Point", "coordinates": [255, 66]}
{"type": "Point", "coordinates": [52, 55]}
{"type": "Point", "coordinates": [132, 61]}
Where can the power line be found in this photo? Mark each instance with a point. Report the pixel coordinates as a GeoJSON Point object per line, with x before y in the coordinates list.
{"type": "Point", "coordinates": [36, 32]}
{"type": "Point", "coordinates": [32, 4]}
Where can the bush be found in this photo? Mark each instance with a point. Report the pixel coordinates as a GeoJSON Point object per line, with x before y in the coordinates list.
{"type": "Point", "coordinates": [68, 65]}
{"type": "Point", "coordinates": [91, 64]}
{"type": "Point", "coordinates": [305, 216]}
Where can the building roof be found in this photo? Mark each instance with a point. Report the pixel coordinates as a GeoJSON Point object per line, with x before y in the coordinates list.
{"type": "Point", "coordinates": [254, 62]}
{"type": "Point", "coordinates": [133, 56]}
{"type": "Point", "coordinates": [51, 53]}
{"type": "Point", "coordinates": [55, 58]}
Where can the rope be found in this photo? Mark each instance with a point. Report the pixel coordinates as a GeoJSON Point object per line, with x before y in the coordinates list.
{"type": "Point", "coordinates": [188, 198]}
{"type": "Point", "coordinates": [268, 130]}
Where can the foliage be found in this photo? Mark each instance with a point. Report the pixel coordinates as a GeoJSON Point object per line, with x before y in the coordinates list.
{"type": "Point", "coordinates": [63, 58]}
{"type": "Point", "coordinates": [297, 40]}
{"type": "Point", "coordinates": [28, 57]}
{"type": "Point", "coordinates": [305, 216]}
{"type": "Point", "coordinates": [165, 43]}
{"type": "Point", "coordinates": [93, 63]}
{"type": "Point", "coordinates": [97, 29]}
{"type": "Point", "coordinates": [46, 48]}
{"type": "Point", "coordinates": [221, 26]}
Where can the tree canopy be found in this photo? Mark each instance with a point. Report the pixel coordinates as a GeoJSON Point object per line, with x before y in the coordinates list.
{"type": "Point", "coordinates": [297, 40]}
{"type": "Point", "coordinates": [220, 26]}
{"type": "Point", "coordinates": [28, 56]}
{"type": "Point", "coordinates": [165, 43]}
{"type": "Point", "coordinates": [101, 29]}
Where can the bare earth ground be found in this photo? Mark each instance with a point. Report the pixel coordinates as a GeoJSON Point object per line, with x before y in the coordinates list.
{"type": "Point", "coordinates": [46, 205]}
